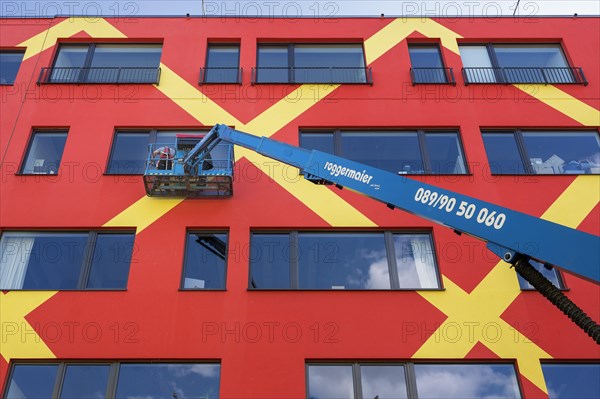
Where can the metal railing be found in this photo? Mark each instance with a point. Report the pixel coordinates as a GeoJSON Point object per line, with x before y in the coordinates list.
{"type": "Point", "coordinates": [220, 75]}
{"type": "Point", "coordinates": [316, 75]}
{"type": "Point", "coordinates": [100, 75]}
{"type": "Point", "coordinates": [432, 76]}
{"type": "Point", "coordinates": [528, 75]}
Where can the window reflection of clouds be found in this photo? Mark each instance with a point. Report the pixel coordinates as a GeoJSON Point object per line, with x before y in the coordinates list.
{"type": "Point", "coordinates": [334, 382]}
{"type": "Point", "coordinates": [384, 382]}
{"type": "Point", "coordinates": [572, 381]}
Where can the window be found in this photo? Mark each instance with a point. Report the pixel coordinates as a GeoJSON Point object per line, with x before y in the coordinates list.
{"type": "Point", "coordinates": [545, 153]}
{"type": "Point", "coordinates": [73, 380]}
{"type": "Point", "coordinates": [399, 152]}
{"type": "Point", "coordinates": [105, 63]}
{"type": "Point", "coordinates": [427, 65]}
{"type": "Point", "coordinates": [551, 274]}
{"type": "Point", "coordinates": [222, 64]}
{"type": "Point", "coordinates": [10, 62]}
{"type": "Point", "coordinates": [342, 261]}
{"type": "Point", "coordinates": [311, 63]}
{"type": "Point", "coordinates": [44, 153]}
{"type": "Point", "coordinates": [65, 261]}
{"type": "Point", "coordinates": [571, 380]}
{"type": "Point", "coordinates": [518, 63]}
{"type": "Point", "coordinates": [205, 261]}
{"type": "Point", "coordinates": [389, 380]}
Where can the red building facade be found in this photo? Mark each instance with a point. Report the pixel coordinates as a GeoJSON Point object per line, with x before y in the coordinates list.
{"type": "Point", "coordinates": [267, 340]}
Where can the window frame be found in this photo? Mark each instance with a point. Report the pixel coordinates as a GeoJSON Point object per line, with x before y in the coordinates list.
{"type": "Point", "coordinates": [41, 131]}
{"type": "Point", "coordinates": [421, 137]}
{"type": "Point", "coordinates": [524, 153]}
{"type": "Point", "coordinates": [87, 257]}
{"type": "Point", "coordinates": [185, 258]}
{"type": "Point", "coordinates": [447, 71]}
{"type": "Point", "coordinates": [388, 236]}
{"type": "Point", "coordinates": [525, 286]}
{"type": "Point", "coordinates": [204, 70]}
{"type": "Point", "coordinates": [13, 51]}
{"type": "Point", "coordinates": [291, 62]}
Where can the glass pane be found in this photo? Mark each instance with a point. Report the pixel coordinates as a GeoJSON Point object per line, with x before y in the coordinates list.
{"type": "Point", "coordinates": [32, 381]}
{"type": "Point", "coordinates": [343, 261]}
{"type": "Point", "coordinates": [68, 64]}
{"type": "Point", "coordinates": [415, 261]}
{"type": "Point", "coordinates": [222, 64]}
{"type": "Point", "coordinates": [45, 153]}
{"type": "Point", "coordinates": [9, 66]}
{"type": "Point", "coordinates": [563, 153]}
{"type": "Point", "coordinates": [524, 63]}
{"type": "Point", "coordinates": [503, 154]}
{"type": "Point", "coordinates": [478, 66]}
{"type": "Point", "coordinates": [550, 274]}
{"type": "Point", "coordinates": [317, 141]}
{"type": "Point", "coordinates": [164, 381]}
{"type": "Point", "coordinates": [41, 261]}
{"type": "Point", "coordinates": [391, 151]}
{"type": "Point", "coordinates": [445, 154]}
{"type": "Point", "coordinates": [383, 382]}
{"type": "Point", "coordinates": [466, 381]}
{"type": "Point", "coordinates": [329, 63]}
{"type": "Point", "coordinates": [124, 63]}
{"type": "Point", "coordinates": [205, 261]}
{"type": "Point", "coordinates": [129, 153]}
{"type": "Point", "coordinates": [330, 382]}
{"type": "Point", "coordinates": [427, 64]}
{"type": "Point", "coordinates": [573, 381]}
{"type": "Point", "coordinates": [111, 261]}
{"type": "Point", "coordinates": [270, 261]}
{"type": "Point", "coordinates": [85, 382]}
{"type": "Point", "coordinates": [272, 64]}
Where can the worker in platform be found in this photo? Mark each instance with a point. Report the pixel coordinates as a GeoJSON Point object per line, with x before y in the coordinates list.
{"type": "Point", "coordinates": [164, 157]}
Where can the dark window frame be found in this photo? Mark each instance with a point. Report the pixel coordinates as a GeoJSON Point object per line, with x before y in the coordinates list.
{"type": "Point", "coordinates": [113, 376]}
{"type": "Point", "coordinates": [525, 286]}
{"type": "Point", "coordinates": [207, 66]}
{"type": "Point", "coordinates": [388, 236]}
{"type": "Point", "coordinates": [448, 72]}
{"type": "Point", "coordinates": [13, 51]}
{"type": "Point", "coordinates": [409, 372]}
{"type": "Point", "coordinates": [523, 152]}
{"type": "Point", "coordinates": [421, 135]}
{"type": "Point", "coordinates": [25, 156]}
{"type": "Point", "coordinates": [46, 73]}
{"type": "Point", "coordinates": [87, 258]}
{"type": "Point", "coordinates": [291, 62]}
{"type": "Point", "coordinates": [185, 257]}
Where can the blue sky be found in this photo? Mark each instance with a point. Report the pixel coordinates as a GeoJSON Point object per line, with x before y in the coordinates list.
{"type": "Point", "coordinates": [297, 8]}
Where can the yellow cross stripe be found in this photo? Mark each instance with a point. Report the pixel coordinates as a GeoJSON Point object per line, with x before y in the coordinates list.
{"type": "Point", "coordinates": [18, 339]}
{"type": "Point", "coordinates": [496, 292]}
{"type": "Point", "coordinates": [143, 212]}
{"type": "Point", "coordinates": [95, 27]}
{"type": "Point", "coordinates": [325, 203]}
{"type": "Point", "coordinates": [564, 103]}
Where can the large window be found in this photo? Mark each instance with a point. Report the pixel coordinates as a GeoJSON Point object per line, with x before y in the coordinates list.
{"type": "Point", "coordinates": [105, 63]}
{"type": "Point", "coordinates": [75, 380]}
{"type": "Point", "coordinates": [571, 380]}
{"type": "Point", "coordinates": [44, 153]}
{"type": "Point", "coordinates": [399, 152]}
{"type": "Point", "coordinates": [409, 380]}
{"type": "Point", "coordinates": [342, 261]}
{"type": "Point", "coordinates": [10, 62]}
{"type": "Point", "coordinates": [65, 260]}
{"type": "Point", "coordinates": [311, 63]}
{"type": "Point", "coordinates": [543, 152]}
{"type": "Point", "coordinates": [517, 63]}
{"type": "Point", "coordinates": [427, 65]}
{"type": "Point", "coordinates": [205, 261]}
{"type": "Point", "coordinates": [222, 64]}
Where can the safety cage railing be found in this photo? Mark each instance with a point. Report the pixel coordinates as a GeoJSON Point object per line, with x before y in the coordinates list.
{"type": "Point", "coordinates": [100, 75]}
{"type": "Point", "coordinates": [526, 75]}
{"type": "Point", "coordinates": [220, 75]}
{"type": "Point", "coordinates": [432, 76]}
{"type": "Point", "coordinates": [314, 75]}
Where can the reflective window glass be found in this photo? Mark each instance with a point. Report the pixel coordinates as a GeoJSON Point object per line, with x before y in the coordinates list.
{"type": "Point", "coordinates": [10, 62]}
{"type": "Point", "coordinates": [330, 382]}
{"type": "Point", "coordinates": [222, 64]}
{"type": "Point", "coordinates": [111, 260]}
{"type": "Point", "coordinates": [45, 153]}
{"type": "Point", "coordinates": [503, 154]}
{"type": "Point", "coordinates": [270, 261]}
{"type": "Point", "coordinates": [205, 261]}
{"type": "Point", "coordinates": [415, 261]}
{"type": "Point", "coordinates": [85, 382]}
{"type": "Point", "coordinates": [563, 153]}
{"type": "Point", "coordinates": [22, 386]}
{"type": "Point", "coordinates": [383, 382]}
{"type": "Point", "coordinates": [573, 381]}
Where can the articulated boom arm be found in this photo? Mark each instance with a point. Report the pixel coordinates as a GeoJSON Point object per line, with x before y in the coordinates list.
{"type": "Point", "coordinates": [506, 232]}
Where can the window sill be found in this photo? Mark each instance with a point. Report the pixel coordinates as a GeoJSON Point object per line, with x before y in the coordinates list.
{"type": "Point", "coordinates": [313, 83]}
{"type": "Point", "coordinates": [340, 290]}
{"type": "Point", "coordinates": [66, 290]}
{"type": "Point", "coordinates": [202, 289]}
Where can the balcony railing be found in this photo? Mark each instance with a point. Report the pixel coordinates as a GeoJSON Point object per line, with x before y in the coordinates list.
{"type": "Point", "coordinates": [432, 76]}
{"type": "Point", "coordinates": [528, 75]}
{"type": "Point", "coordinates": [316, 75]}
{"type": "Point", "coordinates": [220, 75]}
{"type": "Point", "coordinates": [100, 75]}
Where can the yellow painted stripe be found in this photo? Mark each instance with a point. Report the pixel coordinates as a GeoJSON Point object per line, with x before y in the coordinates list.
{"type": "Point", "coordinates": [564, 103]}
{"type": "Point", "coordinates": [576, 202]}
{"type": "Point", "coordinates": [143, 212]}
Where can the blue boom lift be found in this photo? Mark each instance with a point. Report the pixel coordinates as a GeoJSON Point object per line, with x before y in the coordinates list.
{"type": "Point", "coordinates": [203, 167]}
